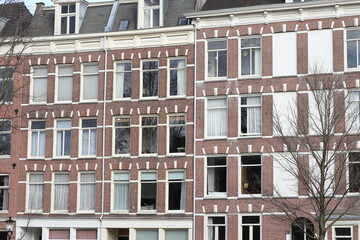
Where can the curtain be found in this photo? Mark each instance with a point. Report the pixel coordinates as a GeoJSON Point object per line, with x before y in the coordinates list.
{"type": "Point", "coordinates": [85, 142]}
{"type": "Point", "coordinates": [39, 89]}
{"type": "Point", "coordinates": [211, 229]}
{"type": "Point", "coordinates": [65, 88]}
{"type": "Point", "coordinates": [210, 180]}
{"type": "Point", "coordinates": [253, 115]}
{"type": "Point", "coordinates": [87, 191]}
{"type": "Point", "coordinates": [256, 60]}
{"type": "Point", "coordinates": [354, 106]}
{"type": "Point", "coordinates": [245, 62]}
{"type": "Point", "coordinates": [90, 87]}
{"type": "Point", "coordinates": [217, 117]}
{"type": "Point", "coordinates": [59, 143]}
{"type": "Point", "coordinates": [120, 77]}
{"type": "Point", "coordinates": [5, 195]}
{"type": "Point", "coordinates": [93, 142]}
{"type": "Point", "coordinates": [146, 235]}
{"type": "Point", "coordinates": [36, 191]}
{"type": "Point", "coordinates": [38, 143]}
{"type": "Point", "coordinates": [147, 18]}
{"type": "Point", "coordinates": [88, 234]}
{"type": "Point", "coordinates": [59, 234]}
{"type": "Point", "coordinates": [61, 192]}
{"type": "Point", "coordinates": [121, 201]}
{"type": "Point", "coordinates": [181, 78]}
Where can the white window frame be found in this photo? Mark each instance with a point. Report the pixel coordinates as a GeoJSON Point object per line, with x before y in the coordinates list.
{"type": "Point", "coordinates": [241, 193]}
{"type": "Point", "coordinates": [357, 40]}
{"type": "Point", "coordinates": [3, 131]}
{"type": "Point", "coordinates": [206, 118]}
{"type": "Point", "coordinates": [156, 181]}
{"type": "Point", "coordinates": [216, 194]}
{"type": "Point", "coordinates": [4, 188]}
{"type": "Point", "coordinates": [251, 225]}
{"type": "Point", "coordinates": [240, 134]}
{"type": "Point", "coordinates": [57, 80]}
{"type": "Point", "coordinates": [217, 77]}
{"type": "Point", "coordinates": [68, 15]}
{"type": "Point", "coordinates": [33, 78]}
{"type": "Point", "coordinates": [169, 77]}
{"type": "Point", "coordinates": [342, 237]}
{"type": "Point", "coordinates": [79, 192]}
{"type": "Point", "coordinates": [11, 79]}
{"type": "Point", "coordinates": [116, 72]}
{"type": "Point", "coordinates": [82, 84]}
{"type": "Point", "coordinates": [114, 136]}
{"type": "Point", "coordinates": [81, 136]}
{"type": "Point", "coordinates": [168, 133]}
{"type": "Point", "coordinates": [53, 187]}
{"type": "Point", "coordinates": [113, 182]}
{"type": "Point", "coordinates": [142, 77]}
{"type": "Point", "coordinates": [206, 229]}
{"type": "Point", "coordinates": [251, 75]}
{"type": "Point", "coordinates": [30, 143]}
{"type": "Point", "coordinates": [151, 9]}
{"type": "Point", "coordinates": [349, 114]}
{"type": "Point", "coordinates": [348, 173]}
{"type": "Point", "coordinates": [63, 130]}
{"type": "Point", "coordinates": [168, 190]}
{"type": "Point", "coordinates": [140, 135]}
{"type": "Point", "coordinates": [28, 192]}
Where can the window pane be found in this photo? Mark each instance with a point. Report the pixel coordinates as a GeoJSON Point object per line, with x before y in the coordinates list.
{"type": "Point", "coordinates": [63, 25]}
{"type": "Point", "coordinates": [146, 235]}
{"type": "Point", "coordinates": [150, 83]}
{"type": "Point", "coordinates": [148, 176]}
{"type": "Point", "coordinates": [65, 88]}
{"type": "Point", "coordinates": [39, 89]}
{"type": "Point", "coordinates": [90, 88]}
{"type": "Point", "coordinates": [343, 231]}
{"type": "Point", "coordinates": [148, 196]}
{"type": "Point", "coordinates": [176, 235]}
{"type": "Point", "coordinates": [250, 219]}
{"type": "Point", "coordinates": [72, 24]}
{"type": "Point", "coordinates": [122, 140]}
{"type": "Point", "coordinates": [351, 54]}
{"type": "Point", "coordinates": [87, 123]}
{"type": "Point", "coordinates": [353, 34]}
{"type": "Point", "coordinates": [222, 62]}
{"type": "Point", "coordinates": [214, 45]}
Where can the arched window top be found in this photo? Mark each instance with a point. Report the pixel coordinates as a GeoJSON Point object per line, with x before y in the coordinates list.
{"type": "Point", "coordinates": [302, 229]}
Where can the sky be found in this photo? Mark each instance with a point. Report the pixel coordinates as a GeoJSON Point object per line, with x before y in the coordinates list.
{"type": "Point", "coordinates": [31, 4]}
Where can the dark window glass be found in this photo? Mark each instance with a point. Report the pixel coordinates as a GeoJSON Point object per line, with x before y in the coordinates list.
{"type": "Point", "coordinates": [72, 24]}
{"type": "Point", "coordinates": [124, 24]}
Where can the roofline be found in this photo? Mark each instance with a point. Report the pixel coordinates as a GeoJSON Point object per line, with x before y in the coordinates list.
{"type": "Point", "coordinates": [268, 7]}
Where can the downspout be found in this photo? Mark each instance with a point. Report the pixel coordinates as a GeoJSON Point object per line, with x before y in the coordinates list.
{"type": "Point", "coordinates": [103, 141]}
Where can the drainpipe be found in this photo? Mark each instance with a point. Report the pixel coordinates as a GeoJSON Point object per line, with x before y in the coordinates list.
{"type": "Point", "coordinates": [103, 140]}
{"type": "Point", "coordinates": [194, 167]}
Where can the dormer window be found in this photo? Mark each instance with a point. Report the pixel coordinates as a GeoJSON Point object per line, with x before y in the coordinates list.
{"type": "Point", "coordinates": [151, 13]}
{"type": "Point", "coordinates": [68, 15]}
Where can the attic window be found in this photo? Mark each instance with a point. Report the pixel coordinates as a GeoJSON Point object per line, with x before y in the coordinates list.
{"type": "Point", "coordinates": [68, 18]}
{"type": "Point", "coordinates": [151, 13]}
{"type": "Point", "coordinates": [183, 21]}
{"type": "Point", "coordinates": [124, 24]}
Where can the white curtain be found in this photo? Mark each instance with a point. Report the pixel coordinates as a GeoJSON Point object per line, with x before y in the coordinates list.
{"type": "Point", "coordinates": [147, 18]}
{"type": "Point", "coordinates": [211, 229]}
{"type": "Point", "coordinates": [65, 88]}
{"type": "Point", "coordinates": [38, 143]}
{"type": "Point", "coordinates": [87, 191]}
{"type": "Point", "coordinates": [36, 187]}
{"type": "Point", "coordinates": [353, 111]}
{"type": "Point", "coordinates": [90, 87]}
{"type": "Point", "coordinates": [210, 180]}
{"type": "Point", "coordinates": [217, 119]}
{"type": "Point", "coordinates": [121, 201]}
{"type": "Point", "coordinates": [181, 78]}
{"type": "Point", "coordinates": [120, 78]}
{"type": "Point", "coordinates": [5, 192]}
{"type": "Point", "coordinates": [89, 142]}
{"type": "Point", "coordinates": [253, 115]}
{"type": "Point", "coordinates": [85, 142]}
{"type": "Point", "coordinates": [61, 192]}
{"type": "Point", "coordinates": [257, 60]}
{"type": "Point", "coordinates": [40, 89]}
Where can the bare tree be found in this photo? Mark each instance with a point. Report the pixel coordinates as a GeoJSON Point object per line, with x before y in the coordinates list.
{"type": "Point", "coordinates": [315, 143]}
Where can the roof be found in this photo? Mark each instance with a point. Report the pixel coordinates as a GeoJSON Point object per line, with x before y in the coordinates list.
{"type": "Point", "coordinates": [216, 4]}
{"type": "Point", "coordinates": [17, 18]}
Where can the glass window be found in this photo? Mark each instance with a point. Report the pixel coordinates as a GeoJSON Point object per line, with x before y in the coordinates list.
{"type": "Point", "coordinates": [217, 59]}
{"type": "Point", "coordinates": [354, 172]}
{"type": "Point", "coordinates": [89, 135]}
{"type": "Point", "coordinates": [216, 228]}
{"type": "Point", "coordinates": [353, 48]}
{"type": "Point", "coordinates": [148, 190]}
{"type": "Point", "coordinates": [149, 133]}
{"type": "Point", "coordinates": [302, 229]}
{"type": "Point", "coordinates": [4, 192]}
{"type": "Point", "coordinates": [147, 235]}
{"type": "Point", "coordinates": [64, 85]}
{"type": "Point", "coordinates": [251, 174]}
{"type": "Point", "coordinates": [250, 56]}
{"type": "Point", "coordinates": [353, 120]}
{"type": "Point", "coordinates": [124, 25]}
{"type": "Point", "coordinates": [68, 18]}
{"type": "Point", "coordinates": [217, 117]}
{"type": "Point", "coordinates": [39, 84]}
{"type": "Point", "coordinates": [343, 233]}
{"type": "Point", "coordinates": [176, 235]}
{"type": "Point", "coordinates": [121, 191]}
{"type": "Point", "coordinates": [59, 234]}
{"type": "Point", "coordinates": [123, 80]}
{"type": "Point", "coordinates": [177, 134]}
{"type": "Point", "coordinates": [35, 192]}
{"type": "Point", "coordinates": [122, 135]}
{"type": "Point", "coordinates": [177, 77]}
{"type": "Point", "coordinates": [151, 12]}
{"type": "Point", "coordinates": [61, 191]}
{"type": "Point", "coordinates": [5, 137]}
{"type": "Point", "coordinates": [63, 137]}
{"type": "Point", "coordinates": [250, 119]}
{"type": "Point", "coordinates": [6, 84]}
{"type": "Point", "coordinates": [250, 227]}
{"type": "Point", "coordinates": [177, 190]}
{"type": "Point", "coordinates": [90, 82]}
{"type": "Point", "coordinates": [37, 141]}
{"type": "Point", "coordinates": [88, 234]}
{"type": "Point", "coordinates": [150, 81]}
{"type": "Point", "coordinates": [87, 191]}
{"type": "Point", "coordinates": [216, 176]}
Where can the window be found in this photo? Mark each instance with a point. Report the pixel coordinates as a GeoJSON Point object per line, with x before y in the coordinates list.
{"type": "Point", "coordinates": [343, 233]}
{"type": "Point", "coordinates": [39, 84]}
{"type": "Point", "coordinates": [250, 228]}
{"type": "Point", "coordinates": [61, 191]}
{"type": "Point", "coordinates": [217, 117]}
{"type": "Point", "coordinates": [250, 56]}
{"type": "Point", "coordinates": [250, 115]}
{"type": "Point", "coordinates": [353, 120]}
{"type": "Point", "coordinates": [217, 59]}
{"type": "Point", "coordinates": [121, 191]}
{"type": "Point", "coordinates": [6, 84]}
{"type": "Point", "coordinates": [176, 235]}
{"type": "Point", "coordinates": [149, 135]}
{"type": "Point", "coordinates": [177, 190]}
{"type": "Point", "coordinates": [354, 172]}
{"type": "Point", "coordinates": [177, 77]}
{"type": "Point", "coordinates": [150, 81]}
{"type": "Point", "coordinates": [147, 235]}
{"type": "Point", "coordinates": [151, 12]}
{"type": "Point", "coordinates": [37, 130]}
{"type": "Point", "coordinates": [59, 234]}
{"type": "Point", "coordinates": [87, 192]}
{"type": "Point", "coordinates": [216, 176]}
{"type": "Point", "coordinates": [89, 135]}
{"type": "Point", "coordinates": [122, 135]}
{"type": "Point", "coordinates": [35, 193]}
{"type": "Point", "coordinates": [216, 228]}
{"type": "Point", "coordinates": [353, 48]}
{"type": "Point", "coordinates": [251, 174]}
{"type": "Point", "coordinates": [148, 190]}
{"type": "Point", "coordinates": [5, 137]}
{"type": "Point", "coordinates": [123, 80]}
{"type": "Point", "coordinates": [64, 84]}
{"type": "Point", "coordinates": [88, 234]}
{"type": "Point", "coordinates": [4, 192]}
{"type": "Point", "coordinates": [90, 82]}
{"type": "Point", "coordinates": [177, 133]}
{"type": "Point", "coordinates": [68, 18]}
{"type": "Point", "coordinates": [63, 138]}
{"type": "Point", "coordinates": [124, 25]}
{"type": "Point", "coordinates": [302, 229]}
